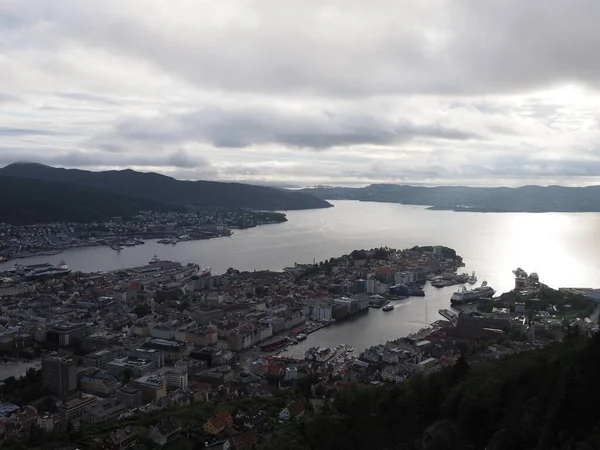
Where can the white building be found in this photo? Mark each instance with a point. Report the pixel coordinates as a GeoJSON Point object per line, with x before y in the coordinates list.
{"type": "Point", "coordinates": [371, 285]}
{"type": "Point", "coordinates": [322, 311]}
{"type": "Point", "coordinates": [176, 378]}
{"type": "Point", "coordinates": [404, 277]}
{"type": "Point", "coordinates": [291, 373]}
{"type": "Point", "coordinates": [381, 288]}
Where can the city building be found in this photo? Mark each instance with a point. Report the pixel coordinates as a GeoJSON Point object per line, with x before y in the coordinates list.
{"type": "Point", "coordinates": [74, 408]}
{"type": "Point", "coordinates": [150, 354]}
{"type": "Point", "coordinates": [101, 358]}
{"type": "Point", "coordinates": [98, 382]}
{"type": "Point", "coordinates": [59, 375]}
{"type": "Point", "coordinates": [291, 373]}
{"type": "Point", "coordinates": [173, 350]}
{"type": "Point", "coordinates": [176, 378]}
{"type": "Point", "coordinates": [63, 334]}
{"type": "Point", "coordinates": [152, 387]}
{"type": "Point", "coordinates": [135, 366]}
{"type": "Point", "coordinates": [103, 410]}
{"type": "Point", "coordinates": [99, 341]}
{"type": "Point", "coordinates": [130, 397]}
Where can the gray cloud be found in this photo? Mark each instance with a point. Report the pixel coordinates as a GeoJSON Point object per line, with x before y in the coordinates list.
{"type": "Point", "coordinates": [441, 91]}
{"type": "Point", "coordinates": [77, 158]}
{"type": "Point", "coordinates": [245, 127]}
{"type": "Point", "coordinates": [23, 132]}
{"type": "Point", "coordinates": [353, 47]}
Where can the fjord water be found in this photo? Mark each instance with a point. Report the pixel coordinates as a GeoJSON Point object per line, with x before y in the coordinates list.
{"type": "Point", "coordinates": [562, 247]}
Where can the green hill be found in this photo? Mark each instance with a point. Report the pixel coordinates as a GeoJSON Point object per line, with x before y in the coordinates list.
{"type": "Point", "coordinates": [461, 198]}
{"type": "Point", "coordinates": [165, 189]}
{"type": "Point", "coordinates": [27, 201]}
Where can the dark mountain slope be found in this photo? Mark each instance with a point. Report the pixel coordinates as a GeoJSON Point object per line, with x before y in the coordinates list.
{"type": "Point", "coordinates": [169, 190]}
{"type": "Point", "coordinates": [27, 201]}
{"type": "Point", "coordinates": [460, 198]}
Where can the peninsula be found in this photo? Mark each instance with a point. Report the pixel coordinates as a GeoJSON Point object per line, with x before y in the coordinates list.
{"type": "Point", "coordinates": [473, 199]}
{"type": "Point", "coordinates": [171, 356]}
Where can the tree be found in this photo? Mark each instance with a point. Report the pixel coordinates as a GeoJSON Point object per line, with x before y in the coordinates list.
{"type": "Point", "coordinates": [460, 369]}
{"type": "Point", "coordinates": [142, 310]}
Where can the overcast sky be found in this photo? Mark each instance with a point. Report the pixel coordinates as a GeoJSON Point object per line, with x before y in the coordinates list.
{"type": "Point", "coordinates": [304, 92]}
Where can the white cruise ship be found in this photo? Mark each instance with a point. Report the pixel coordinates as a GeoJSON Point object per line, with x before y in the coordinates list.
{"type": "Point", "coordinates": [464, 296]}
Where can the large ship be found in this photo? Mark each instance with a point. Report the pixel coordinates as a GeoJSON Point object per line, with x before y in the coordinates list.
{"type": "Point", "coordinates": [42, 271]}
{"type": "Point", "coordinates": [204, 272]}
{"type": "Point", "coordinates": [465, 296]}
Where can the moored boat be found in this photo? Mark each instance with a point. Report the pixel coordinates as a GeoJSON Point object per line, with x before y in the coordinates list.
{"type": "Point", "coordinates": [465, 296]}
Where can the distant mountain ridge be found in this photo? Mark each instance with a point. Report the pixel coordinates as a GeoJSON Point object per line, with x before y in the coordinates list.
{"type": "Point", "coordinates": [461, 198]}
{"type": "Point", "coordinates": [164, 189]}
{"type": "Point", "coordinates": [32, 201]}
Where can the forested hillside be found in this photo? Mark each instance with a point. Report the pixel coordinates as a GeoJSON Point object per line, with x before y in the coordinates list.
{"type": "Point", "coordinates": [27, 201]}
{"type": "Point", "coordinates": [157, 187]}
{"type": "Point", "coordinates": [544, 399]}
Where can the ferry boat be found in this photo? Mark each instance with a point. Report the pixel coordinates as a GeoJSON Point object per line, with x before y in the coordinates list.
{"type": "Point", "coordinates": [157, 260]}
{"type": "Point", "coordinates": [439, 282]}
{"type": "Point", "coordinates": [319, 354]}
{"type": "Point", "coordinates": [42, 271]}
{"type": "Point", "coordinates": [416, 291]}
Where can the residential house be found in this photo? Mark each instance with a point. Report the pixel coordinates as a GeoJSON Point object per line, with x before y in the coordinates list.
{"type": "Point", "coordinates": [165, 431]}
{"type": "Point", "coordinates": [293, 410]}
{"type": "Point", "coordinates": [218, 423]}
{"type": "Point", "coordinates": [120, 439]}
{"type": "Point", "coordinates": [243, 441]}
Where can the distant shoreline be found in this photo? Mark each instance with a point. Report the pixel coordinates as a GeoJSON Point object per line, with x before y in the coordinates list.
{"type": "Point", "coordinates": [465, 209]}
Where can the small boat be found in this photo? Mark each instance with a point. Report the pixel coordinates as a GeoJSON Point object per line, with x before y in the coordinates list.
{"type": "Point", "coordinates": [439, 282]}
{"type": "Point", "coordinates": [157, 260]}
{"type": "Point", "coordinates": [3, 259]}
{"type": "Point", "coordinates": [350, 349]}
{"type": "Point", "coordinates": [301, 336]}
{"type": "Point", "coordinates": [388, 307]}
{"type": "Point", "coordinates": [472, 279]}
